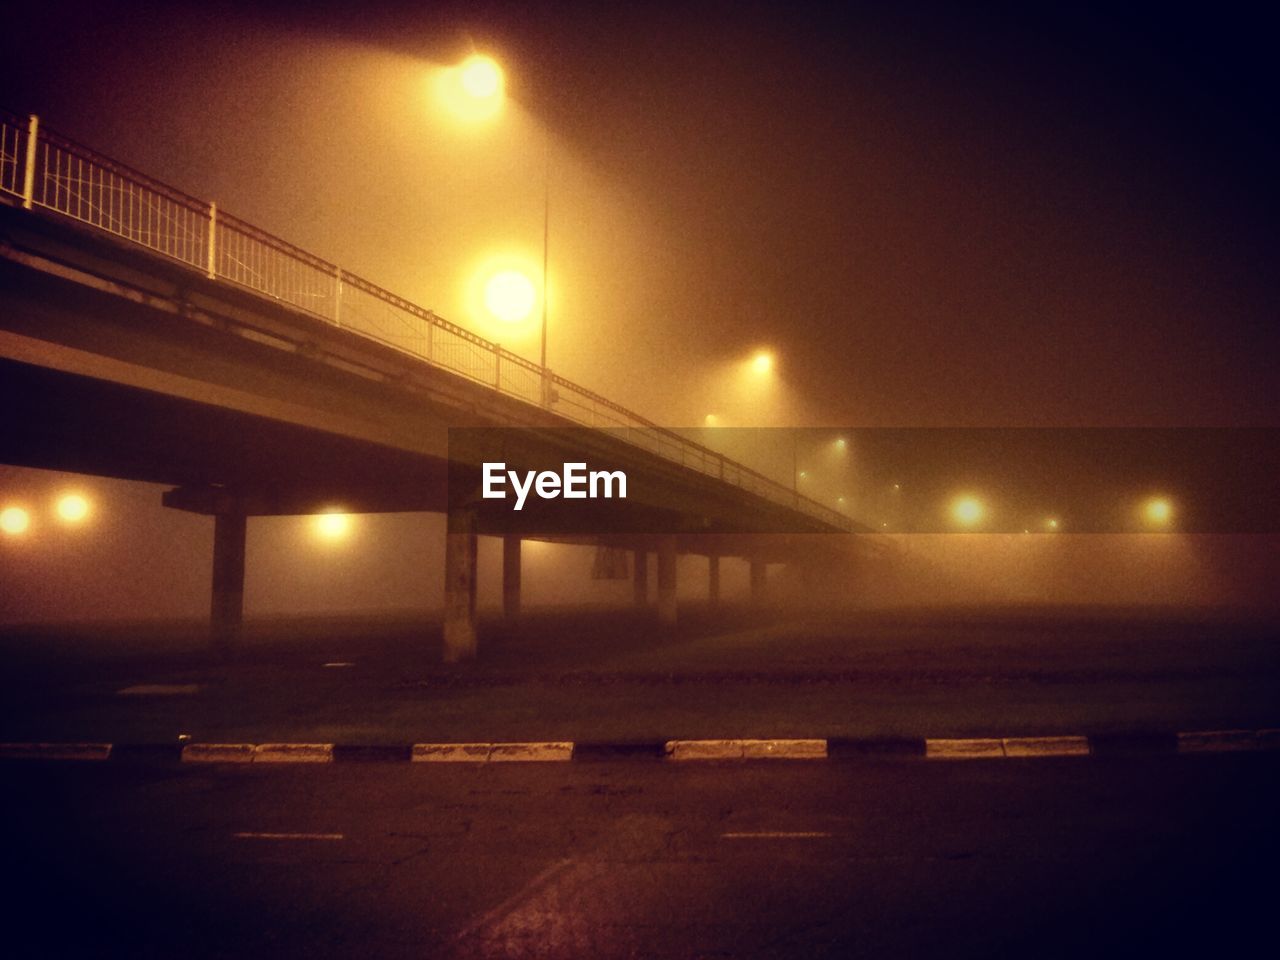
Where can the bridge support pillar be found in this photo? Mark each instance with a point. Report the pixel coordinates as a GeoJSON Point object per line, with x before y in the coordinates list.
{"type": "Point", "coordinates": [713, 579]}
{"type": "Point", "coordinates": [511, 576]}
{"type": "Point", "coordinates": [460, 587]}
{"type": "Point", "coordinates": [226, 610]}
{"type": "Point", "coordinates": [667, 581]}
{"type": "Point", "coordinates": [759, 577]}
{"type": "Point", "coordinates": [640, 578]}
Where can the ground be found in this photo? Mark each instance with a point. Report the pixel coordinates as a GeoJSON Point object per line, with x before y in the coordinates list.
{"type": "Point", "coordinates": [1112, 854]}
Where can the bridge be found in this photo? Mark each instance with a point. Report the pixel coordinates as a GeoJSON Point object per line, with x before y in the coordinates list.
{"type": "Point", "coordinates": [148, 335]}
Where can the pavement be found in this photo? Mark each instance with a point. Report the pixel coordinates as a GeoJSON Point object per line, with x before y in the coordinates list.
{"type": "Point", "coordinates": [612, 676]}
{"type": "Point", "coordinates": [1166, 856]}
{"type": "Point", "coordinates": [979, 783]}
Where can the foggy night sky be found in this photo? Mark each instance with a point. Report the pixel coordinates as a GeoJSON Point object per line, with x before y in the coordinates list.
{"type": "Point", "coordinates": [995, 218]}
{"type": "Point", "coordinates": [1000, 217]}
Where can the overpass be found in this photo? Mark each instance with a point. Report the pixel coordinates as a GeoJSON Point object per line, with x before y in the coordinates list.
{"type": "Point", "coordinates": [148, 335]}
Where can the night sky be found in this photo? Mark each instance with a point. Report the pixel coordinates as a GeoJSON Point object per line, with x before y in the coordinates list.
{"type": "Point", "coordinates": [991, 217]}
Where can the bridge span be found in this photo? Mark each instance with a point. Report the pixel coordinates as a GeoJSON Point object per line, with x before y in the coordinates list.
{"type": "Point", "coordinates": [147, 335]}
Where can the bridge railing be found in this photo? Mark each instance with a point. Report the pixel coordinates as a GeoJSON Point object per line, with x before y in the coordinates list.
{"type": "Point", "coordinates": [47, 170]}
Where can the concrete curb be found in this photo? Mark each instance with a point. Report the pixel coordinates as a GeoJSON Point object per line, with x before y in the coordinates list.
{"type": "Point", "coordinates": [1138, 743]}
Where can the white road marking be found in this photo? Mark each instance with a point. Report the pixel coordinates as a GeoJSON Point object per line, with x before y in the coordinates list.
{"type": "Point", "coordinates": [740, 749]}
{"type": "Point", "coordinates": [250, 835]}
{"type": "Point", "coordinates": [964, 749]}
{"type": "Point", "coordinates": [339, 663]}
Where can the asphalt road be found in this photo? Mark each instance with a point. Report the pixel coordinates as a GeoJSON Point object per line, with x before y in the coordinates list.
{"type": "Point", "coordinates": [564, 675]}
{"type": "Point", "coordinates": [1098, 857]}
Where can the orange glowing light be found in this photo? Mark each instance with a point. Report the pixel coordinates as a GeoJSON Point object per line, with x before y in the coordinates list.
{"type": "Point", "coordinates": [967, 511]}
{"type": "Point", "coordinates": [14, 521]}
{"type": "Point", "coordinates": [762, 363]}
{"type": "Point", "coordinates": [473, 90]}
{"type": "Point", "coordinates": [332, 525]}
{"type": "Point", "coordinates": [481, 77]}
{"type": "Point", "coordinates": [510, 296]}
{"type": "Point", "coordinates": [1157, 511]}
{"type": "Point", "coordinates": [72, 508]}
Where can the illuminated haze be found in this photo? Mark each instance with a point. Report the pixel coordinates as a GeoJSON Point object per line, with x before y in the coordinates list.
{"type": "Point", "coordinates": [929, 220]}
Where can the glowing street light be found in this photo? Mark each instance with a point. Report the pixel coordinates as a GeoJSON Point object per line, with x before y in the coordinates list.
{"type": "Point", "coordinates": [510, 296]}
{"type": "Point", "coordinates": [762, 362]}
{"type": "Point", "coordinates": [72, 508]}
{"type": "Point", "coordinates": [1052, 524]}
{"type": "Point", "coordinates": [481, 77]}
{"type": "Point", "coordinates": [1157, 511]}
{"type": "Point", "coordinates": [14, 521]}
{"type": "Point", "coordinates": [473, 90]}
{"type": "Point", "coordinates": [332, 525]}
{"type": "Point", "coordinates": [967, 511]}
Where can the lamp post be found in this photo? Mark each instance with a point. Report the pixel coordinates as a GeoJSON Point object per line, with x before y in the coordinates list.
{"type": "Point", "coordinates": [480, 84]}
{"type": "Point", "coordinates": [546, 230]}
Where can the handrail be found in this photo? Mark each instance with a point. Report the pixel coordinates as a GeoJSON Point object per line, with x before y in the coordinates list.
{"type": "Point", "coordinates": [48, 170]}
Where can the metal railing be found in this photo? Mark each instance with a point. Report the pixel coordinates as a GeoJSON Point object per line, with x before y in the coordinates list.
{"type": "Point", "coordinates": [47, 170]}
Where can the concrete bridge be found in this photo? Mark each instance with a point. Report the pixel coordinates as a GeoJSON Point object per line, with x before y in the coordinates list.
{"type": "Point", "coordinates": [146, 335]}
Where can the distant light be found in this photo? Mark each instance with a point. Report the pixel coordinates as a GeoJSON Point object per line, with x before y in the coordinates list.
{"type": "Point", "coordinates": [711, 420]}
{"type": "Point", "coordinates": [72, 508]}
{"type": "Point", "coordinates": [897, 486]}
{"type": "Point", "coordinates": [839, 499]}
{"type": "Point", "coordinates": [510, 295]}
{"type": "Point", "coordinates": [332, 525]}
{"type": "Point", "coordinates": [1052, 523]}
{"type": "Point", "coordinates": [762, 362]}
{"type": "Point", "coordinates": [841, 443]}
{"type": "Point", "coordinates": [14, 521]}
{"type": "Point", "coordinates": [1157, 511]}
{"type": "Point", "coordinates": [481, 77]}
{"type": "Point", "coordinates": [804, 475]}
{"type": "Point", "coordinates": [967, 511]}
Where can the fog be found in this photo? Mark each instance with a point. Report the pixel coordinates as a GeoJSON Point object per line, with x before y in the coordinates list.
{"type": "Point", "coordinates": [132, 559]}
{"type": "Point", "coordinates": [968, 219]}
{"type": "Point", "coordinates": [958, 220]}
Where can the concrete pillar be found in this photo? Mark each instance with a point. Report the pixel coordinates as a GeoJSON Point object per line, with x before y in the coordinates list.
{"type": "Point", "coordinates": [460, 587]}
{"type": "Point", "coordinates": [759, 573]}
{"type": "Point", "coordinates": [640, 578]}
{"type": "Point", "coordinates": [713, 579]}
{"type": "Point", "coordinates": [667, 581]}
{"type": "Point", "coordinates": [226, 611]}
{"type": "Point", "coordinates": [511, 576]}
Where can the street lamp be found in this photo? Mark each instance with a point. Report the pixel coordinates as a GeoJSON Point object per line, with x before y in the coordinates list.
{"type": "Point", "coordinates": [477, 92]}
{"type": "Point", "coordinates": [967, 511]}
{"type": "Point", "coordinates": [72, 508]}
{"type": "Point", "coordinates": [509, 295]}
{"type": "Point", "coordinates": [473, 90]}
{"type": "Point", "coordinates": [14, 521]}
{"type": "Point", "coordinates": [332, 525]}
{"type": "Point", "coordinates": [1157, 512]}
